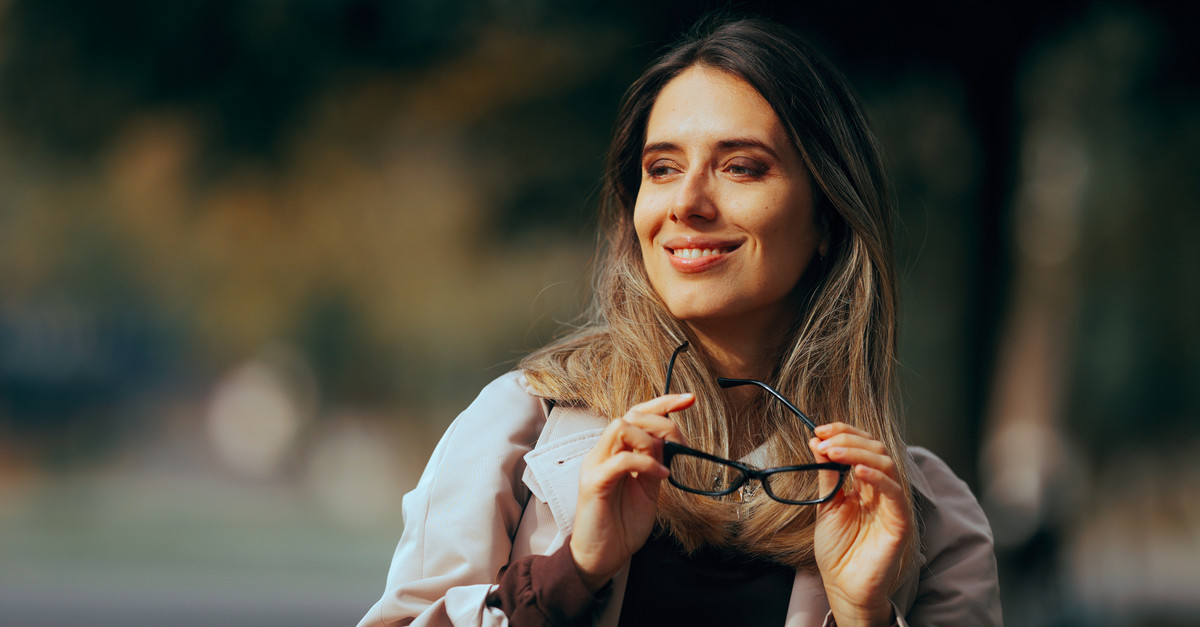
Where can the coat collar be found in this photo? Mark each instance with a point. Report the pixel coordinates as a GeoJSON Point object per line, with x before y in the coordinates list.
{"type": "Point", "coordinates": [552, 467]}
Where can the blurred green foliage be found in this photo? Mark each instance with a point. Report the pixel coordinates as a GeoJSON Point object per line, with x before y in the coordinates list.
{"type": "Point", "coordinates": [390, 185]}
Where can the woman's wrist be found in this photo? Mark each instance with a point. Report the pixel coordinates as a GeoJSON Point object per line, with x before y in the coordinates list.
{"type": "Point", "coordinates": [593, 580]}
{"type": "Point", "coordinates": [846, 614]}
{"type": "Point", "coordinates": [849, 613]}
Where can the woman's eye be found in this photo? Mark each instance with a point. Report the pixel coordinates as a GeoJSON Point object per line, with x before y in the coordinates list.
{"type": "Point", "coordinates": [659, 169]}
{"type": "Point", "coordinates": [743, 169]}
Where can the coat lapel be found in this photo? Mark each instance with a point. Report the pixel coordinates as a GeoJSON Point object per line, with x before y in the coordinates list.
{"type": "Point", "coordinates": [552, 467]}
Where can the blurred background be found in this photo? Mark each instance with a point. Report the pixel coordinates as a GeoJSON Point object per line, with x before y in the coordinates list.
{"type": "Point", "coordinates": [256, 255]}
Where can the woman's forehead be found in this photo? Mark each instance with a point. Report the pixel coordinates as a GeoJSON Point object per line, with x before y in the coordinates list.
{"type": "Point", "coordinates": [703, 101]}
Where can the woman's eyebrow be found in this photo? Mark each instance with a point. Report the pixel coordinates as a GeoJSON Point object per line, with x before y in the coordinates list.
{"type": "Point", "coordinates": [723, 145]}
{"type": "Point", "coordinates": [659, 147]}
{"type": "Point", "coordinates": [736, 143]}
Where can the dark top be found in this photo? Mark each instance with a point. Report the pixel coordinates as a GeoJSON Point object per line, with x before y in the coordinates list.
{"type": "Point", "coordinates": [709, 587]}
{"type": "Point", "coordinates": [666, 587]}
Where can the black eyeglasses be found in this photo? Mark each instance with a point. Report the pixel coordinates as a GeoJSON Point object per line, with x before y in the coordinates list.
{"type": "Point", "coordinates": [708, 475]}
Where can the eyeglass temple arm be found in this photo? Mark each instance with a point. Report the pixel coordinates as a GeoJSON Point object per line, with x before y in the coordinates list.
{"type": "Point", "coordinates": [671, 367]}
{"type": "Point", "coordinates": [731, 383]}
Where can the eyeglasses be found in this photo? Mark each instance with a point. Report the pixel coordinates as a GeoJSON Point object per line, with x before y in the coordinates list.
{"type": "Point", "coordinates": [708, 475]}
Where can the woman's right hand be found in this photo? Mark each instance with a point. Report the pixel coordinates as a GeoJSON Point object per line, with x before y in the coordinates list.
{"type": "Point", "coordinates": [618, 488]}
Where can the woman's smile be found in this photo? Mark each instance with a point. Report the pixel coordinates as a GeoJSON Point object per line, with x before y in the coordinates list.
{"type": "Point", "coordinates": [691, 255]}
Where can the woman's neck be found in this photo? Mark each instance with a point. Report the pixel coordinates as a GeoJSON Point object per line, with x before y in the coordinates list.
{"type": "Point", "coordinates": [738, 351]}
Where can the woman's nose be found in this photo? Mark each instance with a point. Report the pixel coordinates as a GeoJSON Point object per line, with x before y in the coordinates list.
{"type": "Point", "coordinates": [694, 199]}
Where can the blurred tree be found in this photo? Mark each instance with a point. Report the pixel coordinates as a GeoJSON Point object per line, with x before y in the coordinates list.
{"type": "Point", "coordinates": [74, 72]}
{"type": "Point", "coordinates": [249, 167]}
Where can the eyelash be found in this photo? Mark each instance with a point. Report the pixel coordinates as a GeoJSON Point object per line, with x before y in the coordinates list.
{"type": "Point", "coordinates": [658, 168]}
{"type": "Point", "coordinates": [750, 170]}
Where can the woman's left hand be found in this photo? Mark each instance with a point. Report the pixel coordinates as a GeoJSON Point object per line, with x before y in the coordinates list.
{"type": "Point", "coordinates": [861, 532]}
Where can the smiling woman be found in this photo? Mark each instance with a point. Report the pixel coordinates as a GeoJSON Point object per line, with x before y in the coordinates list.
{"type": "Point", "coordinates": [746, 217]}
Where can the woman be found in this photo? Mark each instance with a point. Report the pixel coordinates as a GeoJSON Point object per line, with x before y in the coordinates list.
{"type": "Point", "coordinates": [747, 262]}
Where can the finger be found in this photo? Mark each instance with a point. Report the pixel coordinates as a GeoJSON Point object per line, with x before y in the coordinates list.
{"type": "Point", "coordinates": [604, 477]}
{"type": "Point", "coordinates": [880, 480]}
{"type": "Point", "coordinates": [851, 440]}
{"type": "Point", "coordinates": [888, 491]}
{"type": "Point", "coordinates": [619, 436]}
{"type": "Point", "coordinates": [627, 436]}
{"type": "Point", "coordinates": [829, 430]}
{"type": "Point", "coordinates": [862, 457]}
{"type": "Point", "coordinates": [815, 445]}
{"type": "Point", "coordinates": [827, 480]}
{"type": "Point", "coordinates": [657, 426]}
{"type": "Point", "coordinates": [664, 404]}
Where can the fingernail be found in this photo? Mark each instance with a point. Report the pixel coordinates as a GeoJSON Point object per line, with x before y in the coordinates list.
{"type": "Point", "coordinates": [822, 429]}
{"type": "Point", "coordinates": [821, 446]}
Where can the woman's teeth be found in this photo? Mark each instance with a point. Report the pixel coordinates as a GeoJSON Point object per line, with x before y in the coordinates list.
{"type": "Point", "coordinates": [695, 253]}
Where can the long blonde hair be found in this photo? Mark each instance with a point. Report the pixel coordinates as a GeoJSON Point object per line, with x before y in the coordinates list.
{"type": "Point", "coordinates": [837, 360]}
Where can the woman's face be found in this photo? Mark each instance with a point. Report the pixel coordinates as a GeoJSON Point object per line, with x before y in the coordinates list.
{"type": "Point", "coordinates": [724, 213]}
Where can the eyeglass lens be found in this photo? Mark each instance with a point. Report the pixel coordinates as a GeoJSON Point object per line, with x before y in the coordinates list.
{"type": "Point", "coordinates": [704, 476]}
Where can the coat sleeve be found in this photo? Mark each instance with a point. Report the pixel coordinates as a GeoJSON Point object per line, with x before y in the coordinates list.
{"type": "Point", "coordinates": [957, 584]}
{"type": "Point", "coordinates": [460, 519]}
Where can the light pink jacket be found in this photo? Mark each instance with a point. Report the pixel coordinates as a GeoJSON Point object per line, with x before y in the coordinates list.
{"type": "Point", "coordinates": [502, 484]}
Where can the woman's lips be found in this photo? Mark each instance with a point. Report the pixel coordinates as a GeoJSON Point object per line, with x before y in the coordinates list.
{"type": "Point", "coordinates": [689, 259]}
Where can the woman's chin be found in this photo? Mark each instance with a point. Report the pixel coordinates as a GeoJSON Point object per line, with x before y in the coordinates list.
{"type": "Point", "coordinates": [729, 319]}
{"type": "Point", "coordinates": [709, 318]}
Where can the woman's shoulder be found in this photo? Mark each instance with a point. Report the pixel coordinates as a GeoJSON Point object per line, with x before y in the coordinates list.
{"type": "Point", "coordinates": [957, 571]}
{"type": "Point", "coordinates": [512, 410]}
{"type": "Point", "coordinates": [506, 413]}
{"type": "Point", "coordinates": [934, 481]}
{"type": "Point", "coordinates": [511, 387]}
{"type": "Point", "coordinates": [509, 393]}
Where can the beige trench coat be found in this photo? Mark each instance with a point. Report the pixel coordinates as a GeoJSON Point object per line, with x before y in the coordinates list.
{"type": "Point", "coordinates": [502, 484]}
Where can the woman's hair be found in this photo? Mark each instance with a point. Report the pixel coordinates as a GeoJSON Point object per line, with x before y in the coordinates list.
{"type": "Point", "coordinates": [837, 360]}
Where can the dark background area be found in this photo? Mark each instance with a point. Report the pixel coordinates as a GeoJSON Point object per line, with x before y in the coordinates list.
{"type": "Point", "coordinates": [254, 256]}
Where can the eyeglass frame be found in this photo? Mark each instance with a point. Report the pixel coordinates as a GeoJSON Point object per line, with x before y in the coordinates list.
{"type": "Point", "coordinates": [671, 449]}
